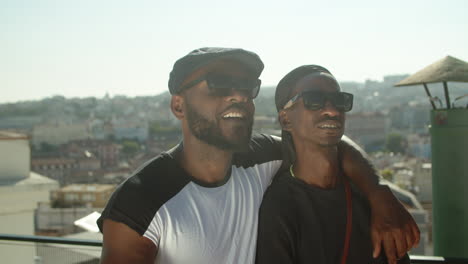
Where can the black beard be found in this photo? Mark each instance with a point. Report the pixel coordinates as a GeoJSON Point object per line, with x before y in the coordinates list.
{"type": "Point", "coordinates": [210, 133]}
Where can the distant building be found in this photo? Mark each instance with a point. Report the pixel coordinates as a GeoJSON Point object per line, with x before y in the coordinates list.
{"type": "Point", "coordinates": [419, 214]}
{"type": "Point", "coordinates": [59, 221]}
{"type": "Point", "coordinates": [107, 152]}
{"type": "Point", "coordinates": [383, 160]}
{"type": "Point", "coordinates": [368, 129]}
{"type": "Point", "coordinates": [59, 133]}
{"type": "Point", "coordinates": [131, 129]}
{"type": "Point", "coordinates": [403, 174]}
{"type": "Point", "coordinates": [419, 145]}
{"type": "Point", "coordinates": [100, 129]}
{"type": "Point", "coordinates": [89, 163]}
{"type": "Point", "coordinates": [78, 161]}
{"type": "Point", "coordinates": [391, 80]}
{"type": "Point", "coordinates": [15, 155]}
{"type": "Point", "coordinates": [423, 182]}
{"type": "Point", "coordinates": [58, 169]}
{"type": "Point", "coordinates": [20, 122]}
{"type": "Point", "coordinates": [76, 195]}
{"type": "Point", "coordinates": [20, 191]}
{"type": "Point", "coordinates": [120, 128]}
{"type": "Point", "coordinates": [406, 175]}
{"type": "Point", "coordinates": [413, 117]}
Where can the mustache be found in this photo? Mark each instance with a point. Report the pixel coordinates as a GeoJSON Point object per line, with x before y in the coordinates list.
{"type": "Point", "coordinates": [332, 118]}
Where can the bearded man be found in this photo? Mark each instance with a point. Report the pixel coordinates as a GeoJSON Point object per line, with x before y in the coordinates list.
{"type": "Point", "coordinates": [198, 202]}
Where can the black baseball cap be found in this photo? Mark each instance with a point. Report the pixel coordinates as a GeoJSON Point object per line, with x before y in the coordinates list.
{"type": "Point", "coordinates": [288, 82]}
{"type": "Point", "coordinates": [198, 58]}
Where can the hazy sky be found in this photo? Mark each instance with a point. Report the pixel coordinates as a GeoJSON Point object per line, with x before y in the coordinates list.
{"type": "Point", "coordinates": [89, 47]}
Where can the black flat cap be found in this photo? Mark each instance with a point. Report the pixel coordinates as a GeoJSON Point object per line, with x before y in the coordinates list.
{"type": "Point", "coordinates": [198, 58]}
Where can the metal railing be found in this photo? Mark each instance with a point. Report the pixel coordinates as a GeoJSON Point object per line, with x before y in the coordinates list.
{"type": "Point", "coordinates": [51, 240]}
{"type": "Point", "coordinates": [48, 250]}
{"type": "Point", "coordinates": [45, 241]}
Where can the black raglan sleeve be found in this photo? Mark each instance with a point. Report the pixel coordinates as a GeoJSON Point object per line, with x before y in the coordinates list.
{"type": "Point", "coordinates": [261, 148]}
{"type": "Point", "coordinates": [136, 200]}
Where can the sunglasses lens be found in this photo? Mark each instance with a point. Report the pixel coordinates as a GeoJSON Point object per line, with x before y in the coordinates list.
{"type": "Point", "coordinates": [316, 100]}
{"type": "Point", "coordinates": [252, 87]}
{"type": "Point", "coordinates": [221, 85]}
{"type": "Point", "coordinates": [342, 101]}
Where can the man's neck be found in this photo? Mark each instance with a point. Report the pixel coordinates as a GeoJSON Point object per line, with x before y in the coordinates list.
{"type": "Point", "coordinates": [317, 166]}
{"type": "Point", "coordinates": [205, 162]}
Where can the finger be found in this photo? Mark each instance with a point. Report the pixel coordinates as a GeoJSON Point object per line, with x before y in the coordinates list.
{"type": "Point", "coordinates": [377, 244]}
{"type": "Point", "coordinates": [400, 243]}
{"type": "Point", "coordinates": [410, 239]}
{"type": "Point", "coordinates": [390, 249]}
{"type": "Point", "coordinates": [416, 234]}
{"type": "Point", "coordinates": [377, 249]}
{"type": "Point", "coordinates": [412, 235]}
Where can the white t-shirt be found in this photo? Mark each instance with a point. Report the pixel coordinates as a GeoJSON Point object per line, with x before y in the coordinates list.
{"type": "Point", "coordinates": [193, 222]}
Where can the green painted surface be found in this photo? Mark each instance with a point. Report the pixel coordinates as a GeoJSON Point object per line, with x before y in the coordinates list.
{"type": "Point", "coordinates": [449, 134]}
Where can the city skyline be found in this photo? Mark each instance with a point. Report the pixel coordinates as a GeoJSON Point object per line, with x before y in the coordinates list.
{"type": "Point", "coordinates": [88, 48]}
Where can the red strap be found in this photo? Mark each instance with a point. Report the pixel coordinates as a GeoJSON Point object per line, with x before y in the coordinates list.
{"type": "Point", "coordinates": [349, 220]}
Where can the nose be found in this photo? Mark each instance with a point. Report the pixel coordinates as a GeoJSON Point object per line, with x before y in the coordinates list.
{"type": "Point", "coordinates": [237, 96]}
{"type": "Point", "coordinates": [330, 110]}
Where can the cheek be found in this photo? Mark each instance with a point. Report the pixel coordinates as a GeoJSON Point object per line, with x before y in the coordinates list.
{"type": "Point", "coordinates": [251, 106]}
{"type": "Point", "coordinates": [299, 122]}
{"type": "Point", "coordinates": [304, 122]}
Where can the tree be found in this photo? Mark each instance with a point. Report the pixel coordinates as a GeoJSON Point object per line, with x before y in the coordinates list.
{"type": "Point", "coordinates": [130, 147]}
{"type": "Point", "coordinates": [387, 174]}
{"type": "Point", "coordinates": [396, 143]}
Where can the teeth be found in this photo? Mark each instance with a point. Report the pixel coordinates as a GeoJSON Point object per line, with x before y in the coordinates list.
{"type": "Point", "coordinates": [233, 114]}
{"type": "Point", "coordinates": [329, 126]}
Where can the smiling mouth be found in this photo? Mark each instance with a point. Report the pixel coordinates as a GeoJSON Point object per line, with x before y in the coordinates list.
{"type": "Point", "coordinates": [234, 115]}
{"type": "Point", "coordinates": [330, 126]}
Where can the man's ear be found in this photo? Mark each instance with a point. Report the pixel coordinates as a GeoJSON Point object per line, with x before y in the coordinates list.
{"type": "Point", "coordinates": [284, 120]}
{"type": "Point", "coordinates": [177, 106]}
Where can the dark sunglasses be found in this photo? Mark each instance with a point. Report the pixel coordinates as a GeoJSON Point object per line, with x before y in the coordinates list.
{"type": "Point", "coordinates": [222, 85]}
{"type": "Point", "coordinates": [314, 100]}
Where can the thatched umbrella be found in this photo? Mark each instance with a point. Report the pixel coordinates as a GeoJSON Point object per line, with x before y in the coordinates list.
{"type": "Point", "coordinates": [448, 69]}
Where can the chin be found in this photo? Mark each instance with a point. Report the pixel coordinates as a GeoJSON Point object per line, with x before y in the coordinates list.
{"type": "Point", "coordinates": [330, 142]}
{"type": "Point", "coordinates": [238, 135]}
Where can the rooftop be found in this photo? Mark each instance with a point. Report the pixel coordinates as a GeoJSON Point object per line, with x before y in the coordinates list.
{"type": "Point", "coordinates": [8, 135]}
{"type": "Point", "coordinates": [87, 187]}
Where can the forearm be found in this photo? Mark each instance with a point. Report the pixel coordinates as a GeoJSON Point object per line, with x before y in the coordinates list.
{"type": "Point", "coordinates": [392, 227]}
{"type": "Point", "coordinates": [358, 168]}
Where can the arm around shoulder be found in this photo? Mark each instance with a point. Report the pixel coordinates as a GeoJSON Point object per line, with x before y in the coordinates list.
{"type": "Point", "coordinates": [357, 167]}
{"type": "Point", "coordinates": [122, 244]}
{"type": "Point", "coordinates": [392, 227]}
